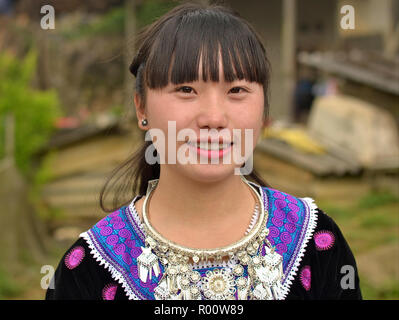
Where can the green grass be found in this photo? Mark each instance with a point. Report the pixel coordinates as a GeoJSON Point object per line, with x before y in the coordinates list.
{"type": "Point", "coordinates": [377, 200]}
{"type": "Point", "coordinates": [377, 220]}
{"type": "Point", "coordinates": [385, 291]}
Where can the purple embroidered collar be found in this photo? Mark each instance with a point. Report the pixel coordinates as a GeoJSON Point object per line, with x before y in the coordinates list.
{"type": "Point", "coordinates": [116, 240]}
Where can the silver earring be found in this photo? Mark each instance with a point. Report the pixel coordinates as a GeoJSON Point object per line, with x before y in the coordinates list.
{"type": "Point", "coordinates": [144, 122]}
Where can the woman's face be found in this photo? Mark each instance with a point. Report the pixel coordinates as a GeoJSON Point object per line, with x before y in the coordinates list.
{"type": "Point", "coordinates": [211, 111]}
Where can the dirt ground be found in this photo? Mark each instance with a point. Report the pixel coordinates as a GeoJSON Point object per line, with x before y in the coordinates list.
{"type": "Point", "coordinates": [380, 265]}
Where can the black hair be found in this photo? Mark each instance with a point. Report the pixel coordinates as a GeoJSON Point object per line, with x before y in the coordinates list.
{"type": "Point", "coordinates": [166, 50]}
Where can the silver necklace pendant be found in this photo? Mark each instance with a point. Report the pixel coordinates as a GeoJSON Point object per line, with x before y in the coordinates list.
{"type": "Point", "coordinates": [147, 262]}
{"type": "Point", "coordinates": [219, 284]}
{"type": "Point", "coordinates": [268, 272]}
{"type": "Point", "coordinates": [161, 292]}
{"type": "Point", "coordinates": [243, 288]}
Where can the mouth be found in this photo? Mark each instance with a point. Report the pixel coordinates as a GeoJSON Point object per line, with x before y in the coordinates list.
{"type": "Point", "coordinates": [210, 146]}
{"type": "Point", "coordinates": [210, 150]}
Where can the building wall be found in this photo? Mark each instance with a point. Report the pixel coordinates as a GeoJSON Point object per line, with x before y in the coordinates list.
{"type": "Point", "coordinates": [317, 24]}
{"type": "Point", "coordinates": [265, 16]}
{"type": "Point", "coordinates": [375, 21]}
{"type": "Point", "coordinates": [315, 30]}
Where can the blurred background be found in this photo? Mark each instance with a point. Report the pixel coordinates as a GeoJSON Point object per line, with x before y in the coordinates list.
{"type": "Point", "coordinates": [67, 120]}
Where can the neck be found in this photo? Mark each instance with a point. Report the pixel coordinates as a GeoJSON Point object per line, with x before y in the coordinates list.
{"type": "Point", "coordinates": [195, 201]}
{"type": "Point", "coordinates": [222, 209]}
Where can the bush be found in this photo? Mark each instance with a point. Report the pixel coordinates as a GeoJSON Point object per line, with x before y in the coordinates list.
{"type": "Point", "coordinates": [34, 111]}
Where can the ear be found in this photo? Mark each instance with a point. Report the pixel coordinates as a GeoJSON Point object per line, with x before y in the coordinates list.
{"type": "Point", "coordinates": [140, 112]}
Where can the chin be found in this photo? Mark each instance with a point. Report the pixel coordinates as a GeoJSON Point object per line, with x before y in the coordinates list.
{"type": "Point", "coordinates": [207, 173]}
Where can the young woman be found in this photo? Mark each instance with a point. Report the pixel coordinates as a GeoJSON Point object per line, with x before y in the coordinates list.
{"type": "Point", "coordinates": [197, 227]}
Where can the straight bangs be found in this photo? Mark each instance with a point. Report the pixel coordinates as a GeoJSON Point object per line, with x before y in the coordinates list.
{"type": "Point", "coordinates": [201, 35]}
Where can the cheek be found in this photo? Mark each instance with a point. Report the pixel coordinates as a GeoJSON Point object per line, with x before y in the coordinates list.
{"type": "Point", "coordinates": [258, 115]}
{"type": "Point", "coordinates": [163, 108]}
{"type": "Point", "coordinates": [251, 119]}
{"type": "Point", "coordinates": [159, 112]}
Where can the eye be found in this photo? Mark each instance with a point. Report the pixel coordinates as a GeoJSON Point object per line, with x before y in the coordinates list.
{"type": "Point", "coordinates": [184, 89]}
{"type": "Point", "coordinates": [237, 90]}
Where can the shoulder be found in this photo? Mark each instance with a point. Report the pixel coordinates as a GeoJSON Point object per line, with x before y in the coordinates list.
{"type": "Point", "coordinates": [288, 213]}
{"type": "Point", "coordinates": [100, 259]}
{"type": "Point", "coordinates": [293, 221]}
{"type": "Point", "coordinates": [115, 242]}
{"type": "Point", "coordinates": [121, 223]}
{"type": "Point", "coordinates": [115, 234]}
{"type": "Point", "coordinates": [308, 239]}
{"type": "Point", "coordinates": [79, 276]}
{"type": "Point", "coordinates": [75, 255]}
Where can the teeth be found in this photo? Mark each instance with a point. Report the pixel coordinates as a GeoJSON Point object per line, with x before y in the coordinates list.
{"type": "Point", "coordinates": [210, 146]}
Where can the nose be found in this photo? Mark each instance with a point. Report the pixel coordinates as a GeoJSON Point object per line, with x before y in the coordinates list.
{"type": "Point", "coordinates": [213, 113]}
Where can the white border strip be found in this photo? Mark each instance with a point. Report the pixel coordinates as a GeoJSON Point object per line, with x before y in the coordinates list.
{"type": "Point", "coordinates": [115, 274]}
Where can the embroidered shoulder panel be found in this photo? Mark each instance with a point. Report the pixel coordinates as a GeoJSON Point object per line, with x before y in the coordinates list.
{"type": "Point", "coordinates": [116, 241]}
{"type": "Point", "coordinates": [291, 224]}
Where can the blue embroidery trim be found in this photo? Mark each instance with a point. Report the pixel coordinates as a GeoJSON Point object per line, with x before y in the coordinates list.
{"type": "Point", "coordinates": [116, 239]}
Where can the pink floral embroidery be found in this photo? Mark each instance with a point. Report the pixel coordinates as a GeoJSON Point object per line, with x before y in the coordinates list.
{"type": "Point", "coordinates": [109, 291]}
{"type": "Point", "coordinates": [324, 240]}
{"type": "Point", "coordinates": [305, 277]}
{"type": "Point", "coordinates": [74, 257]}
